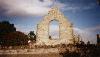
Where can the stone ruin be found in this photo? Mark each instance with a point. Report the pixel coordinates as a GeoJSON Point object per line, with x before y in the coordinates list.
{"type": "Point", "coordinates": [65, 29]}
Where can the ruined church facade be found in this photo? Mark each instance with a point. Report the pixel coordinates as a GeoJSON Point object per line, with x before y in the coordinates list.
{"type": "Point", "coordinates": [65, 29]}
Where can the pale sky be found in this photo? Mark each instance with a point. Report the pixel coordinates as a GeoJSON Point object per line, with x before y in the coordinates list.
{"type": "Point", "coordinates": [26, 14]}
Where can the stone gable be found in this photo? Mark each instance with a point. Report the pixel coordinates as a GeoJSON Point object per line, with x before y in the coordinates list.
{"type": "Point", "coordinates": [65, 29]}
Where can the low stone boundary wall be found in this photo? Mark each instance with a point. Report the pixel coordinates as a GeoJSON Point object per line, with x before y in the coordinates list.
{"type": "Point", "coordinates": [30, 51]}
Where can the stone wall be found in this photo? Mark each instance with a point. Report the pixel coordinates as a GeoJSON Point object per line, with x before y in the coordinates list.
{"type": "Point", "coordinates": [65, 29]}
{"type": "Point", "coordinates": [30, 51]}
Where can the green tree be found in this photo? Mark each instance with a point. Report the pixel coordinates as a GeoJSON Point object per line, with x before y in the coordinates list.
{"type": "Point", "coordinates": [9, 35]}
{"type": "Point", "coordinates": [15, 39]}
{"type": "Point", "coordinates": [32, 36]}
{"type": "Point", "coordinates": [5, 28]}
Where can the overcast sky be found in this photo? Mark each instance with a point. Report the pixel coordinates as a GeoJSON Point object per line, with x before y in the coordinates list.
{"type": "Point", "coordinates": [26, 14]}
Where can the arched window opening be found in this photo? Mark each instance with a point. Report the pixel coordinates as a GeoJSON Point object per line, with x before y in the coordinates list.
{"type": "Point", "coordinates": [54, 30]}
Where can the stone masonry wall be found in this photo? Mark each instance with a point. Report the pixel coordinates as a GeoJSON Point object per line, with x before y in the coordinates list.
{"type": "Point", "coordinates": [65, 29]}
